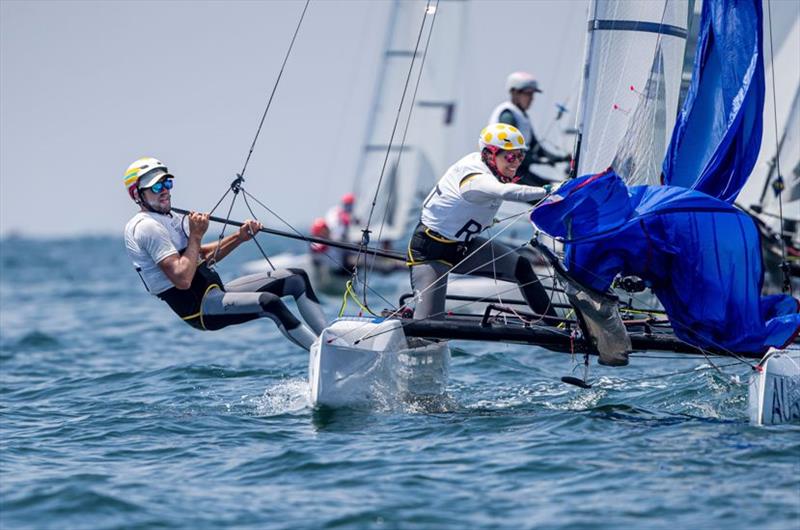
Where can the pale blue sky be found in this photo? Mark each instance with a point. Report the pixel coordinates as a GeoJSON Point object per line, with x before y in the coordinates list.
{"type": "Point", "coordinates": [86, 87]}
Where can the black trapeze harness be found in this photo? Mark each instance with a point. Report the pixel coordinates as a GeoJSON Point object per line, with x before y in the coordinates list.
{"type": "Point", "coordinates": [188, 303]}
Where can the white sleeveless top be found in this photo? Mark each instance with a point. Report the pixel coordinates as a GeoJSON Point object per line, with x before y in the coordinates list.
{"type": "Point", "coordinates": [467, 198]}
{"type": "Point", "coordinates": [523, 122]}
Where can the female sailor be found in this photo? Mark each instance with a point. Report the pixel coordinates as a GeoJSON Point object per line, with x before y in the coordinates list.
{"type": "Point", "coordinates": [463, 204]}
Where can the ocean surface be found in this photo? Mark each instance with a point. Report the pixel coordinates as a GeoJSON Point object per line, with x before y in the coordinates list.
{"type": "Point", "coordinates": [117, 415]}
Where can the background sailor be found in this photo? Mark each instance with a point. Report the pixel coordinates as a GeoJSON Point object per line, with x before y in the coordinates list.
{"type": "Point", "coordinates": [522, 88]}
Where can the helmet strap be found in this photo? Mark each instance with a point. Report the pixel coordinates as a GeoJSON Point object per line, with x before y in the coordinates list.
{"type": "Point", "coordinates": [489, 156]}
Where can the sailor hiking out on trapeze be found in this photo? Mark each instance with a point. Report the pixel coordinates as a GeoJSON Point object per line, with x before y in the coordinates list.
{"type": "Point", "coordinates": [461, 205]}
{"type": "Point", "coordinates": [174, 265]}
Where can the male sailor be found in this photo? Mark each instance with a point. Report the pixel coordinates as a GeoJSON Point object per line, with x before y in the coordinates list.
{"type": "Point", "coordinates": [175, 266]}
{"type": "Point", "coordinates": [522, 87]}
{"type": "Point", "coordinates": [459, 208]}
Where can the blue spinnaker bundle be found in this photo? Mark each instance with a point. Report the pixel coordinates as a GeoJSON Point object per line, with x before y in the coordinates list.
{"type": "Point", "coordinates": [700, 255]}
{"type": "Point", "coordinates": [717, 136]}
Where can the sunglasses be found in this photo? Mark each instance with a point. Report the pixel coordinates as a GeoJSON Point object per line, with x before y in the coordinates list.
{"type": "Point", "coordinates": [158, 186]}
{"type": "Point", "coordinates": [514, 157]}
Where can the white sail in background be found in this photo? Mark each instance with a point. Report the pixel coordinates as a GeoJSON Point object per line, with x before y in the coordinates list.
{"type": "Point", "coordinates": [425, 151]}
{"type": "Point", "coordinates": [626, 41]}
{"type": "Point", "coordinates": [790, 153]}
{"type": "Point", "coordinates": [781, 114]}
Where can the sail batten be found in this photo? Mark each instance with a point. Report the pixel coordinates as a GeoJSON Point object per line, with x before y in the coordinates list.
{"type": "Point", "coordinates": [638, 25]}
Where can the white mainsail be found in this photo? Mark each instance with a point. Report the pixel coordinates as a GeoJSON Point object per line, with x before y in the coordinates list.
{"type": "Point", "coordinates": [629, 44]}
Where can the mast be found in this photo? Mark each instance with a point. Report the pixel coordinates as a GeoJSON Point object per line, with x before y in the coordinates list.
{"type": "Point", "coordinates": [376, 96]}
{"type": "Point", "coordinates": [417, 148]}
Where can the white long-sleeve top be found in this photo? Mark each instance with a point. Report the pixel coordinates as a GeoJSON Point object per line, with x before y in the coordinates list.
{"type": "Point", "coordinates": [467, 197]}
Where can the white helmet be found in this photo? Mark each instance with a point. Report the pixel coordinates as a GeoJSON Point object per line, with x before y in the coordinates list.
{"type": "Point", "coordinates": [501, 136]}
{"type": "Point", "coordinates": [522, 81]}
{"type": "Point", "coordinates": [144, 167]}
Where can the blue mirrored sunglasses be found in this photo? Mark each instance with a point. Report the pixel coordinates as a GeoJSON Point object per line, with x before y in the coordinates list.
{"type": "Point", "coordinates": [158, 186]}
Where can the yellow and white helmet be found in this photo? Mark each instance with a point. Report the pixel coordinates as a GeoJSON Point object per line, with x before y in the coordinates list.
{"type": "Point", "coordinates": [501, 136]}
{"type": "Point", "coordinates": [150, 167]}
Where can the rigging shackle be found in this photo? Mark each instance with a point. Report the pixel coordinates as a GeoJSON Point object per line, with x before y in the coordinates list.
{"type": "Point", "coordinates": [236, 184]}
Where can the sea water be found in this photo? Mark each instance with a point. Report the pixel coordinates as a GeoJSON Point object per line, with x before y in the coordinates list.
{"type": "Point", "coordinates": [117, 415]}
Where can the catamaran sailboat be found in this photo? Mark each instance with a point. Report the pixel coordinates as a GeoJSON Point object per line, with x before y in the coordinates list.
{"type": "Point", "coordinates": [653, 210]}
{"type": "Point", "coordinates": [673, 230]}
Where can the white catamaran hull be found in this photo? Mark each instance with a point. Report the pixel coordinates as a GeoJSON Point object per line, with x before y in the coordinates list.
{"type": "Point", "coordinates": [360, 361]}
{"type": "Point", "coordinates": [775, 389]}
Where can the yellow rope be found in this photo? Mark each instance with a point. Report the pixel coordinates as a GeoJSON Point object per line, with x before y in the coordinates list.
{"type": "Point", "coordinates": [349, 291]}
{"type": "Point", "coordinates": [563, 325]}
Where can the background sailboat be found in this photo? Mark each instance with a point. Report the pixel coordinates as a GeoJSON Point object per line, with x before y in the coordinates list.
{"type": "Point", "coordinates": [774, 186]}
{"type": "Point", "coordinates": [408, 132]}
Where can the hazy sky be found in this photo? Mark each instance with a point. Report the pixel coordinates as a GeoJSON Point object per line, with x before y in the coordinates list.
{"type": "Point", "coordinates": [87, 87]}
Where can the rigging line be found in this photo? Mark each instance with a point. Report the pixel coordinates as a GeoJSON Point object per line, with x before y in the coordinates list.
{"type": "Point", "coordinates": [306, 239]}
{"type": "Point", "coordinates": [365, 231]}
{"type": "Point", "coordinates": [244, 196]}
{"type": "Point", "coordinates": [529, 324]}
{"type": "Point", "coordinates": [405, 129]}
{"type": "Point", "coordinates": [274, 88]}
{"type": "Point", "coordinates": [777, 147]}
{"type": "Point", "coordinates": [396, 311]}
{"type": "Point", "coordinates": [370, 334]}
{"type": "Point", "coordinates": [219, 201]}
{"type": "Point", "coordinates": [487, 242]}
{"type": "Point", "coordinates": [394, 128]}
{"type": "Point", "coordinates": [213, 259]}
{"type": "Point", "coordinates": [240, 177]}
{"type": "Point", "coordinates": [633, 296]}
{"type": "Point", "coordinates": [494, 275]}
{"type": "Point", "coordinates": [716, 345]}
{"type": "Point", "coordinates": [510, 251]}
{"type": "Point", "coordinates": [702, 350]}
{"type": "Point", "coordinates": [705, 352]}
{"type": "Point", "coordinates": [504, 219]}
